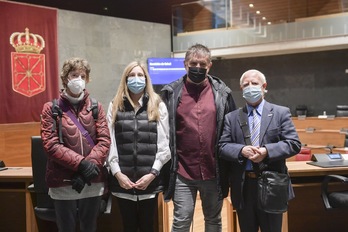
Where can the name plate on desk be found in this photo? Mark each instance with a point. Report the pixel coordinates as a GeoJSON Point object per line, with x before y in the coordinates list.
{"type": "Point", "coordinates": [328, 160]}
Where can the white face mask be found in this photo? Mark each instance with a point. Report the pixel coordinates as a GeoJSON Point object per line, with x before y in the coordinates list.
{"type": "Point", "coordinates": [76, 85]}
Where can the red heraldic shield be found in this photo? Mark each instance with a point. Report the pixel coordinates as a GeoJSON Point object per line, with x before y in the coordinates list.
{"type": "Point", "coordinates": [28, 73]}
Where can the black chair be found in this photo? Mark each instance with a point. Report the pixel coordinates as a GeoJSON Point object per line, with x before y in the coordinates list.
{"type": "Point", "coordinates": [334, 199]}
{"type": "Point", "coordinates": [342, 110]}
{"type": "Point", "coordinates": [301, 110]}
{"type": "Point", "coordinates": [44, 208]}
{"type": "Point", "coordinates": [43, 203]}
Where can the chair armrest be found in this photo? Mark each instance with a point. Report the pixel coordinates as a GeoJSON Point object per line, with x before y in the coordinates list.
{"type": "Point", "coordinates": [31, 188]}
{"type": "Point", "coordinates": [108, 205]}
{"type": "Point", "coordinates": [324, 188]}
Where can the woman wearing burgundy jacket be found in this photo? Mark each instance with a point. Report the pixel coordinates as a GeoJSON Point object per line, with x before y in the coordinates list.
{"type": "Point", "coordinates": [76, 156]}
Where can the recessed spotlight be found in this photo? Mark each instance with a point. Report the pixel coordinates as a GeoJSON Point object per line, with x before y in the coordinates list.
{"type": "Point", "coordinates": [106, 9]}
{"type": "Point", "coordinates": [269, 23]}
{"type": "Point", "coordinates": [258, 12]}
{"type": "Point", "coordinates": [251, 5]}
{"type": "Point", "coordinates": [263, 18]}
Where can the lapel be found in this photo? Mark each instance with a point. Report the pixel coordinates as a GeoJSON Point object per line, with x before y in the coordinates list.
{"type": "Point", "coordinates": [266, 118]}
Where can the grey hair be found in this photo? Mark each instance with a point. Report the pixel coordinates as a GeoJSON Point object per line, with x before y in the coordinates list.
{"type": "Point", "coordinates": [259, 74]}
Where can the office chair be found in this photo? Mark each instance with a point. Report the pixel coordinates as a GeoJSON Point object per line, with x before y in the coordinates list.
{"type": "Point", "coordinates": [43, 207]}
{"type": "Point", "coordinates": [342, 110]}
{"type": "Point", "coordinates": [334, 199]}
{"type": "Point", "coordinates": [301, 110]}
{"type": "Point", "coordinates": [346, 141]}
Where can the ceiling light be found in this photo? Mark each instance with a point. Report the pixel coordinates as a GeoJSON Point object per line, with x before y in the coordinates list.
{"type": "Point", "coordinates": [251, 5]}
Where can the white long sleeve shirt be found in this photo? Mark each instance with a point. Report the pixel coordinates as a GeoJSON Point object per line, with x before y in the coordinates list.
{"type": "Point", "coordinates": [163, 151]}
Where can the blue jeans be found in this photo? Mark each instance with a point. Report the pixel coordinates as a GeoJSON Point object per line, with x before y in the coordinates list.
{"type": "Point", "coordinates": [184, 201]}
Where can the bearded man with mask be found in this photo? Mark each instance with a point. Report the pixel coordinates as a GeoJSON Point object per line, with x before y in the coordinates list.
{"type": "Point", "coordinates": [197, 103]}
{"type": "Point", "coordinates": [76, 153]}
{"type": "Point", "coordinates": [273, 139]}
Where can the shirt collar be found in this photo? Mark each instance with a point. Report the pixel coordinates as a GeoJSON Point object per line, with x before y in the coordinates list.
{"type": "Point", "coordinates": [258, 108]}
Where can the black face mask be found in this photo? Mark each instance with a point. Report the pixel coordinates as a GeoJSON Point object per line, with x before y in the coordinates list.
{"type": "Point", "coordinates": [197, 75]}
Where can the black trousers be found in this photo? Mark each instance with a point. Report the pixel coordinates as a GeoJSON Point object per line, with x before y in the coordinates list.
{"type": "Point", "coordinates": [251, 218]}
{"type": "Point", "coordinates": [86, 210]}
{"type": "Point", "coordinates": [138, 216]}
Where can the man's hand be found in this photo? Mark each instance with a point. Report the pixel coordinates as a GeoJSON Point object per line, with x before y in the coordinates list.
{"type": "Point", "coordinates": [260, 155]}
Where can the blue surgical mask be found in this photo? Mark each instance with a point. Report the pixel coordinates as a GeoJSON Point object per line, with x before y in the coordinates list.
{"type": "Point", "coordinates": [252, 93]}
{"type": "Point", "coordinates": [136, 84]}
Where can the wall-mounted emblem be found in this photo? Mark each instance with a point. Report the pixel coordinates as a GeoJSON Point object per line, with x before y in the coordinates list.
{"type": "Point", "coordinates": [28, 66]}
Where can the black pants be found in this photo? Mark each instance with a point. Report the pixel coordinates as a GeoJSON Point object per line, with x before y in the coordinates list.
{"type": "Point", "coordinates": [138, 215]}
{"type": "Point", "coordinates": [88, 212]}
{"type": "Point", "coordinates": [250, 218]}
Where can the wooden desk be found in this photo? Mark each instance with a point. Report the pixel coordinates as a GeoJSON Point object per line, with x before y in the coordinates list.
{"type": "Point", "coordinates": [302, 169]}
{"type": "Point", "coordinates": [16, 180]}
{"type": "Point", "coordinates": [14, 184]}
{"type": "Point", "coordinates": [306, 211]}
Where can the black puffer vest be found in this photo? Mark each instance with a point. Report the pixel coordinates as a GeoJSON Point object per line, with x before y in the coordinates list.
{"type": "Point", "coordinates": [136, 139]}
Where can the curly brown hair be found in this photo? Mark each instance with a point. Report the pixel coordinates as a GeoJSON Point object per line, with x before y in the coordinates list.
{"type": "Point", "coordinates": [73, 64]}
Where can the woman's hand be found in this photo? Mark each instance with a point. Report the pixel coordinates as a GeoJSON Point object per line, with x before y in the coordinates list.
{"type": "Point", "coordinates": [144, 181]}
{"type": "Point", "coordinates": [124, 181]}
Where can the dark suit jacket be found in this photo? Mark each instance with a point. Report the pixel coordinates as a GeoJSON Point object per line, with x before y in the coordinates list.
{"type": "Point", "coordinates": [277, 134]}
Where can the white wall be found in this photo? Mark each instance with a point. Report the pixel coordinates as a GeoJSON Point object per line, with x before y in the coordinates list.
{"type": "Point", "coordinates": [109, 44]}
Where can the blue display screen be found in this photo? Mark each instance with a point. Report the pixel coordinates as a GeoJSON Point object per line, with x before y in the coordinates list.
{"type": "Point", "coordinates": [335, 156]}
{"type": "Point", "coordinates": [165, 70]}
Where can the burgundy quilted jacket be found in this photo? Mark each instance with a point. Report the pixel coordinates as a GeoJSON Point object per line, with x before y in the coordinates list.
{"type": "Point", "coordinates": [64, 159]}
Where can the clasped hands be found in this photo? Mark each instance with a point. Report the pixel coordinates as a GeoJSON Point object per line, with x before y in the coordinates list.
{"type": "Point", "coordinates": [254, 154]}
{"type": "Point", "coordinates": [86, 172]}
{"type": "Point", "coordinates": [141, 184]}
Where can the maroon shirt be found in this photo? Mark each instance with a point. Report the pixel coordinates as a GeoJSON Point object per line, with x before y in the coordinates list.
{"type": "Point", "coordinates": [196, 132]}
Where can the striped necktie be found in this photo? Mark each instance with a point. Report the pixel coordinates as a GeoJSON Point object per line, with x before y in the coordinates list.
{"type": "Point", "coordinates": [255, 129]}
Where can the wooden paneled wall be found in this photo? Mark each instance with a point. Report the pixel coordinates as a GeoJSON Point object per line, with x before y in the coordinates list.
{"type": "Point", "coordinates": [15, 143]}
{"type": "Point", "coordinates": [318, 133]}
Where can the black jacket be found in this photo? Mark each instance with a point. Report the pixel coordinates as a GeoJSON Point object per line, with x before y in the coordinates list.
{"type": "Point", "coordinates": [224, 102]}
{"type": "Point", "coordinates": [136, 138]}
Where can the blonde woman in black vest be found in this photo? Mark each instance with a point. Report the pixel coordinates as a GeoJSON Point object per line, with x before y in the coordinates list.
{"type": "Point", "coordinates": [138, 123]}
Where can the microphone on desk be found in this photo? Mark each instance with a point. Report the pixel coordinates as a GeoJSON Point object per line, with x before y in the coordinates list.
{"type": "Point", "coordinates": [330, 147]}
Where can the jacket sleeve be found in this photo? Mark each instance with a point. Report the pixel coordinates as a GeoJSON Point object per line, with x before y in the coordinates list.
{"type": "Point", "coordinates": [230, 145]}
{"type": "Point", "coordinates": [113, 159]}
{"type": "Point", "coordinates": [56, 151]}
{"type": "Point", "coordinates": [100, 151]}
{"type": "Point", "coordinates": [281, 140]}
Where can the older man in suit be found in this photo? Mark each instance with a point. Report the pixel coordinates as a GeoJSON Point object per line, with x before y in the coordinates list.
{"type": "Point", "coordinates": [274, 139]}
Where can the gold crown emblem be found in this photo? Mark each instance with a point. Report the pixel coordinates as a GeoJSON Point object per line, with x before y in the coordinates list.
{"type": "Point", "coordinates": [27, 42]}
